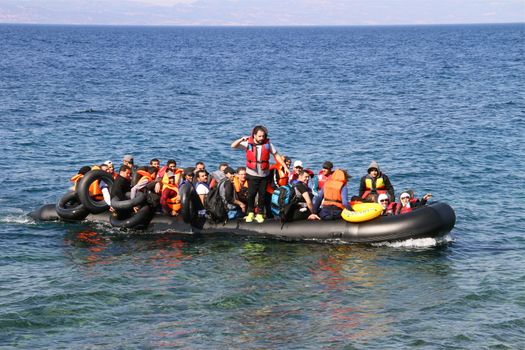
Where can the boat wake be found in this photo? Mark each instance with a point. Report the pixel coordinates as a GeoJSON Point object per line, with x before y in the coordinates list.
{"type": "Point", "coordinates": [16, 216]}
{"type": "Point", "coordinates": [417, 243]}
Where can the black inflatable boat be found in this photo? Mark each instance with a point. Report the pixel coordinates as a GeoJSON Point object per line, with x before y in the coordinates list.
{"type": "Point", "coordinates": [433, 220]}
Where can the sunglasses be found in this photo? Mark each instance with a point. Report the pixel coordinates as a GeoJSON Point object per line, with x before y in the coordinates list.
{"type": "Point", "coordinates": [405, 197]}
{"type": "Point", "coordinates": [383, 200]}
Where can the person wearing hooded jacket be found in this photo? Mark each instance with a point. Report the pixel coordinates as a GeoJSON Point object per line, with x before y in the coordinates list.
{"type": "Point", "coordinates": [385, 203]}
{"type": "Point", "coordinates": [375, 183]}
{"type": "Point", "coordinates": [333, 197]}
{"type": "Point", "coordinates": [407, 203]}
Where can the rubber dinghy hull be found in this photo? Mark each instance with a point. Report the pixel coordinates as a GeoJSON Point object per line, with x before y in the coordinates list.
{"type": "Point", "coordinates": [433, 220]}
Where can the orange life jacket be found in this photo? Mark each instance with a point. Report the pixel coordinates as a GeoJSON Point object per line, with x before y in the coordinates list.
{"type": "Point", "coordinates": [240, 190]}
{"type": "Point", "coordinates": [95, 191]}
{"type": "Point", "coordinates": [279, 175]}
{"type": "Point", "coordinates": [332, 190]}
{"type": "Point", "coordinates": [322, 178]}
{"type": "Point", "coordinates": [174, 202]}
{"type": "Point", "coordinates": [145, 176]}
{"type": "Point", "coordinates": [237, 184]}
{"type": "Point", "coordinates": [251, 154]}
{"type": "Point", "coordinates": [178, 174]}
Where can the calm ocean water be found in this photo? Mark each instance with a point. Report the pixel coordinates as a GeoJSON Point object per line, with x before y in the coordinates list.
{"type": "Point", "coordinates": [441, 108]}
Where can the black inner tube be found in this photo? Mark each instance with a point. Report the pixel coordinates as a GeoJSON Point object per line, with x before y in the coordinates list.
{"type": "Point", "coordinates": [140, 219]}
{"type": "Point", "coordinates": [189, 206]}
{"type": "Point", "coordinates": [92, 205]}
{"type": "Point", "coordinates": [128, 203]}
{"type": "Point", "coordinates": [69, 207]}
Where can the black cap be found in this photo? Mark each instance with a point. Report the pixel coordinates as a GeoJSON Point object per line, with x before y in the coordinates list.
{"type": "Point", "coordinates": [328, 165]}
{"type": "Point", "coordinates": [189, 171]}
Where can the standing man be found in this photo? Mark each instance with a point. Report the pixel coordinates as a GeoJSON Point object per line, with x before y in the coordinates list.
{"type": "Point", "coordinates": [258, 150]}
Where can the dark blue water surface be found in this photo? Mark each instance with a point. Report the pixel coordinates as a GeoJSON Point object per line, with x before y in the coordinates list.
{"type": "Point", "coordinates": [440, 108]}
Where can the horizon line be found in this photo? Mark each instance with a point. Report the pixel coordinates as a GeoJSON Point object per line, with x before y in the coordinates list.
{"type": "Point", "coordinates": [260, 25]}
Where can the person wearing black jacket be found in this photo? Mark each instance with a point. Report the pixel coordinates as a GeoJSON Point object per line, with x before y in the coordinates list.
{"type": "Point", "coordinates": [121, 186]}
{"type": "Point", "coordinates": [303, 207]}
{"type": "Point", "coordinates": [227, 193]}
{"type": "Point", "coordinates": [375, 183]}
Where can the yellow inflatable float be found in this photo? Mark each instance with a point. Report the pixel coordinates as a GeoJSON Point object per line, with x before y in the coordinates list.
{"type": "Point", "coordinates": [362, 212]}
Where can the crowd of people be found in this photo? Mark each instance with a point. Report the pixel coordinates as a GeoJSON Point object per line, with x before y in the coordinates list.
{"type": "Point", "coordinates": [246, 192]}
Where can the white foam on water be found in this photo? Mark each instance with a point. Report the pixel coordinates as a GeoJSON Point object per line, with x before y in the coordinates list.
{"type": "Point", "coordinates": [417, 243]}
{"type": "Point", "coordinates": [10, 215]}
{"type": "Point", "coordinates": [22, 219]}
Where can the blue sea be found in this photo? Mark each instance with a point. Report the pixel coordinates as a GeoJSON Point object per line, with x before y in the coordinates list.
{"type": "Point", "coordinates": [441, 108]}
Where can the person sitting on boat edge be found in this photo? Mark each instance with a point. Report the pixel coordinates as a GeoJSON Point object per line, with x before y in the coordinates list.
{"type": "Point", "coordinates": [333, 198]}
{"type": "Point", "coordinates": [324, 174]}
{"type": "Point", "coordinates": [258, 149]}
{"type": "Point", "coordinates": [121, 186]}
{"type": "Point", "coordinates": [297, 169]}
{"type": "Point", "coordinates": [235, 207]}
{"type": "Point", "coordinates": [374, 183]}
{"type": "Point", "coordinates": [384, 200]}
{"type": "Point", "coordinates": [317, 181]}
{"type": "Point", "coordinates": [241, 186]}
{"type": "Point", "coordinates": [407, 202]}
{"type": "Point", "coordinates": [79, 175]}
{"type": "Point", "coordinates": [170, 199]}
{"type": "Point", "coordinates": [95, 192]}
{"type": "Point", "coordinates": [302, 208]}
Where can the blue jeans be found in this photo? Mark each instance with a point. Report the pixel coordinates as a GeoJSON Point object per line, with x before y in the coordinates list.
{"type": "Point", "coordinates": [234, 214]}
{"type": "Point", "coordinates": [330, 212]}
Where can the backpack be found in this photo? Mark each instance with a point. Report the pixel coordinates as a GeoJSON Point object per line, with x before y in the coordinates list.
{"type": "Point", "coordinates": [283, 200]}
{"type": "Point", "coordinates": [215, 204]}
